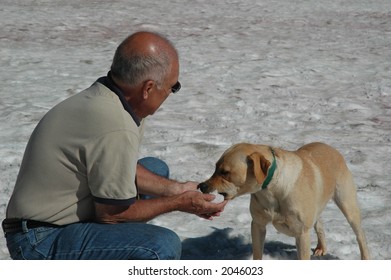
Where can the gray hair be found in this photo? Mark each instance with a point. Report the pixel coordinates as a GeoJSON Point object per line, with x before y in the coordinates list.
{"type": "Point", "coordinates": [136, 68]}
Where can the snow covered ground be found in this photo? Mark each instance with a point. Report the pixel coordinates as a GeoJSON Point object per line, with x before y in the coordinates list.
{"type": "Point", "coordinates": [276, 72]}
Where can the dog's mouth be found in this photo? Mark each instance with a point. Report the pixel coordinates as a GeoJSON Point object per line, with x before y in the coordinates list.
{"type": "Point", "coordinates": [204, 188]}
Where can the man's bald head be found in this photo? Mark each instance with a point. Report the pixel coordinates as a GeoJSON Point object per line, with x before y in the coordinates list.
{"type": "Point", "coordinates": [143, 56]}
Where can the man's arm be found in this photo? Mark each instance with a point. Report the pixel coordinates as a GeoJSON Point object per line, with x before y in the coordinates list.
{"type": "Point", "coordinates": [144, 210]}
{"type": "Point", "coordinates": [151, 184]}
{"type": "Point", "coordinates": [171, 196]}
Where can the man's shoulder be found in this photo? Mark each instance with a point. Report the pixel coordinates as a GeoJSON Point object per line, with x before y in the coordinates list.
{"type": "Point", "coordinates": [97, 99]}
{"type": "Point", "coordinates": [93, 110]}
{"type": "Point", "coordinates": [98, 93]}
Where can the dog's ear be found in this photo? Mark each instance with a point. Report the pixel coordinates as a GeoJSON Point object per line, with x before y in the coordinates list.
{"type": "Point", "coordinates": [260, 166]}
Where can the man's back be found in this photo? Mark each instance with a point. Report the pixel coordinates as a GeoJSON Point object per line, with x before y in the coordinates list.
{"type": "Point", "coordinates": [54, 180]}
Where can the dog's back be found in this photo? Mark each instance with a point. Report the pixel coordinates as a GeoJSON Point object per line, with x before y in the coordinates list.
{"type": "Point", "coordinates": [330, 165]}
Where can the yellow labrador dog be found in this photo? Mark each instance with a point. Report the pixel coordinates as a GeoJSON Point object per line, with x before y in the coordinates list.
{"type": "Point", "coordinates": [289, 189]}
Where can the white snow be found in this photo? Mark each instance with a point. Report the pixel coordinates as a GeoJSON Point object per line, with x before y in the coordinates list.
{"type": "Point", "coordinates": [276, 72]}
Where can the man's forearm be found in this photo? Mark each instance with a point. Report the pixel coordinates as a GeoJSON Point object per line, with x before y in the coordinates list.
{"type": "Point", "coordinates": [144, 210]}
{"type": "Point", "coordinates": [152, 184]}
{"type": "Point", "coordinates": [140, 211]}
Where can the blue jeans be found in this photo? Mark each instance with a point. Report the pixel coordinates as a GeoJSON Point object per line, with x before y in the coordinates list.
{"type": "Point", "coordinates": [94, 241]}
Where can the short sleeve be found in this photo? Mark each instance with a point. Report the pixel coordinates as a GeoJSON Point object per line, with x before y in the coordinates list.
{"type": "Point", "coordinates": [111, 167]}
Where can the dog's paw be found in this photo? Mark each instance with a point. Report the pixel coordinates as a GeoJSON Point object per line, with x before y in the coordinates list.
{"type": "Point", "coordinates": [319, 251]}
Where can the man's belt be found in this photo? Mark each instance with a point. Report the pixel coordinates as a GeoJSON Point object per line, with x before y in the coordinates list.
{"type": "Point", "coordinates": [16, 225]}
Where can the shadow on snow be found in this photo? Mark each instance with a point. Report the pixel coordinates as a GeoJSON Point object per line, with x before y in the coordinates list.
{"type": "Point", "coordinates": [221, 245]}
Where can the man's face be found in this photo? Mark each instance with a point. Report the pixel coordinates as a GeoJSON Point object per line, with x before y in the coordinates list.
{"type": "Point", "coordinates": [159, 93]}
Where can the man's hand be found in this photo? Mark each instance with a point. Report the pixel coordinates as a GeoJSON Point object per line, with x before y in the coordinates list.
{"type": "Point", "coordinates": [200, 204]}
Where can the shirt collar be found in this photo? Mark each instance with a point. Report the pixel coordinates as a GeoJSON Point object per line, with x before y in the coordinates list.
{"type": "Point", "coordinates": [110, 84]}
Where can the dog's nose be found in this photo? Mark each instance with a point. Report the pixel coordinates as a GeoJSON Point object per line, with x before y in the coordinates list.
{"type": "Point", "coordinates": [203, 187]}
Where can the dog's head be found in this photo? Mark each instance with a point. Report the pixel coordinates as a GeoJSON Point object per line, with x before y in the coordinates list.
{"type": "Point", "coordinates": [241, 169]}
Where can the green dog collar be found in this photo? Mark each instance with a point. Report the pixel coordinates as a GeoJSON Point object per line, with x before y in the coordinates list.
{"type": "Point", "coordinates": [270, 172]}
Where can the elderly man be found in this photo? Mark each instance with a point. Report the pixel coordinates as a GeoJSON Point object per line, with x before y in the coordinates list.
{"type": "Point", "coordinates": [77, 192]}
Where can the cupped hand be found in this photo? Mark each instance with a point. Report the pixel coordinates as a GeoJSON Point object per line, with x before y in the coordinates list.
{"type": "Point", "coordinates": [200, 204]}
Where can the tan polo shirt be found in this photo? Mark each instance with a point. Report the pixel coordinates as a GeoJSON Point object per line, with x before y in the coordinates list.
{"type": "Point", "coordinates": [83, 150]}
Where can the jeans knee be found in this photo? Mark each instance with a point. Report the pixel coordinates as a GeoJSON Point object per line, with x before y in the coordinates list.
{"type": "Point", "coordinates": [156, 166]}
{"type": "Point", "coordinates": [171, 246]}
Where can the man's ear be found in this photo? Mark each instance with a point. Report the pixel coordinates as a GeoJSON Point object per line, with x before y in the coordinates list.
{"type": "Point", "coordinates": [147, 88]}
{"type": "Point", "coordinates": [260, 166]}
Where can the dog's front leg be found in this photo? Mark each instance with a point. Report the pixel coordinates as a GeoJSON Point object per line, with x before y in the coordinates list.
{"type": "Point", "coordinates": [303, 245]}
{"type": "Point", "coordinates": [258, 234]}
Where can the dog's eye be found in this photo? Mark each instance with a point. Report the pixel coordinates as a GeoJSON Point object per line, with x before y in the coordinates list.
{"type": "Point", "coordinates": [224, 172]}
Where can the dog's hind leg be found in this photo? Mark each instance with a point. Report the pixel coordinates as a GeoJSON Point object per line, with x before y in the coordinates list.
{"type": "Point", "coordinates": [320, 249]}
{"type": "Point", "coordinates": [346, 199]}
